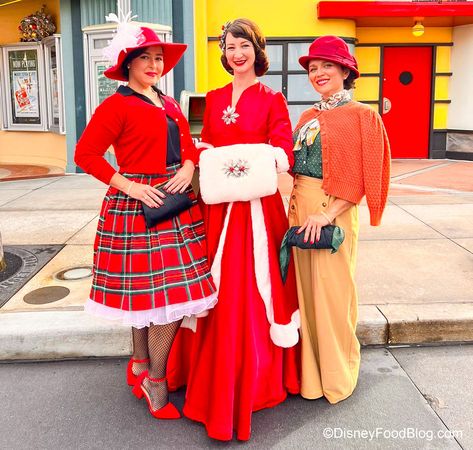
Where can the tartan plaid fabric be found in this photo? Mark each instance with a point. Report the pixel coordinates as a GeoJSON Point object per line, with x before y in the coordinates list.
{"type": "Point", "coordinates": [138, 269]}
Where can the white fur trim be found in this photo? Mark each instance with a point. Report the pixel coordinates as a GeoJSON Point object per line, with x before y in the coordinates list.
{"type": "Point", "coordinates": [286, 335]}
{"type": "Point", "coordinates": [216, 269]}
{"type": "Point", "coordinates": [282, 161]}
{"type": "Point", "coordinates": [261, 257]}
{"type": "Point", "coordinates": [203, 145]}
{"type": "Point", "coordinates": [281, 335]}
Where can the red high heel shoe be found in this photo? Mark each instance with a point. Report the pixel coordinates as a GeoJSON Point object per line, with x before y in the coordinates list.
{"type": "Point", "coordinates": [130, 376]}
{"type": "Point", "coordinates": [168, 411]}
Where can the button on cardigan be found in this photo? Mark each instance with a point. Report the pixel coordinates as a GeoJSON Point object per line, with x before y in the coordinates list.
{"type": "Point", "coordinates": [355, 155]}
{"type": "Point", "coordinates": [138, 132]}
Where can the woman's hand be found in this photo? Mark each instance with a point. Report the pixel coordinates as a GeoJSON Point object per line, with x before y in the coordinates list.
{"type": "Point", "coordinates": [147, 194]}
{"type": "Point", "coordinates": [182, 179]}
{"type": "Point", "coordinates": [313, 227]}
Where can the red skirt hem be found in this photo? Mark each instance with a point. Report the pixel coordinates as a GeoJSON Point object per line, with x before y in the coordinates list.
{"type": "Point", "coordinates": [193, 415]}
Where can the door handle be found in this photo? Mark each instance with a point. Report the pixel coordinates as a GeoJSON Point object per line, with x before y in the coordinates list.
{"type": "Point", "coordinates": [386, 105]}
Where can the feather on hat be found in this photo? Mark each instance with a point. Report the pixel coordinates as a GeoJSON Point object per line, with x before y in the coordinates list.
{"type": "Point", "coordinates": [130, 36]}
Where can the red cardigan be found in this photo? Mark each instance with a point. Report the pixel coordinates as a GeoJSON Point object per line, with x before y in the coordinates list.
{"type": "Point", "coordinates": [356, 157]}
{"type": "Point", "coordinates": [138, 132]}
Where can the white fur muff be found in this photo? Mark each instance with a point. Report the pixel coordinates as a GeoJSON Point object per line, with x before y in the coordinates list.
{"type": "Point", "coordinates": [240, 172]}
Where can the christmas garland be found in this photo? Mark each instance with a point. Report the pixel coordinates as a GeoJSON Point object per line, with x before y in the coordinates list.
{"type": "Point", "coordinates": [37, 26]}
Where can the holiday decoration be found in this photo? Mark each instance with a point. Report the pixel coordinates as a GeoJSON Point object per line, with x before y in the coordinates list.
{"type": "Point", "coordinates": [238, 168]}
{"type": "Point", "coordinates": [223, 36]}
{"type": "Point", "coordinates": [37, 26]}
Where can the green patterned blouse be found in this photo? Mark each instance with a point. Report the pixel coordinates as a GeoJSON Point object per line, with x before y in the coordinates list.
{"type": "Point", "coordinates": [308, 153]}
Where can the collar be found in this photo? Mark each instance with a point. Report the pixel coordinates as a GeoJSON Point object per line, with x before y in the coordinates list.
{"type": "Point", "coordinates": [128, 91]}
{"type": "Point", "coordinates": [333, 101]}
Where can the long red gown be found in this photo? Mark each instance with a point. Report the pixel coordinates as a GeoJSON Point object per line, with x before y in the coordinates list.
{"type": "Point", "coordinates": [235, 367]}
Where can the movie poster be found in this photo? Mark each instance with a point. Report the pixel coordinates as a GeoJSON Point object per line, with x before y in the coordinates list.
{"type": "Point", "coordinates": [23, 67]}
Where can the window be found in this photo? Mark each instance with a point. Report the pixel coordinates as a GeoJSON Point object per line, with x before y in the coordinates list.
{"type": "Point", "coordinates": [286, 75]}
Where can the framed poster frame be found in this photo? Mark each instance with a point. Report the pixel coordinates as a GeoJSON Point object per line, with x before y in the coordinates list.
{"type": "Point", "coordinates": [98, 86]}
{"type": "Point", "coordinates": [54, 83]}
{"type": "Point", "coordinates": [24, 87]}
{"type": "Point", "coordinates": [3, 111]}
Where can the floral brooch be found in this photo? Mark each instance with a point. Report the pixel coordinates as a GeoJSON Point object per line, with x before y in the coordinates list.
{"type": "Point", "coordinates": [237, 169]}
{"type": "Point", "coordinates": [230, 115]}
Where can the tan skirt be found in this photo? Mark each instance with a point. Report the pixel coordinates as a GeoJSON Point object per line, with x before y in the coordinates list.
{"type": "Point", "coordinates": [327, 300]}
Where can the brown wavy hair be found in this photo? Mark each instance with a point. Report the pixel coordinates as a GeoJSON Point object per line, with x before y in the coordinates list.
{"type": "Point", "coordinates": [247, 29]}
{"type": "Point", "coordinates": [349, 82]}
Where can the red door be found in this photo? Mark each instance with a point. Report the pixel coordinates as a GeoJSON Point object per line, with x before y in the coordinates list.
{"type": "Point", "coordinates": [406, 100]}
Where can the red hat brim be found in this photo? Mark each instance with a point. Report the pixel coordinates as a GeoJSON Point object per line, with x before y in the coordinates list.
{"type": "Point", "coordinates": [172, 54]}
{"type": "Point", "coordinates": [304, 62]}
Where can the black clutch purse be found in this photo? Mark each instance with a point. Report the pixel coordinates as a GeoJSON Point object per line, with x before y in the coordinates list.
{"type": "Point", "coordinates": [331, 237]}
{"type": "Point", "coordinates": [173, 204]}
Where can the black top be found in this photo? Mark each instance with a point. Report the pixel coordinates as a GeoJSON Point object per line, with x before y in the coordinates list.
{"type": "Point", "coordinates": [173, 154]}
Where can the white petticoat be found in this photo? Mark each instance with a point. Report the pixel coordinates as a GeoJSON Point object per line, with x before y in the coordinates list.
{"type": "Point", "coordinates": [157, 316]}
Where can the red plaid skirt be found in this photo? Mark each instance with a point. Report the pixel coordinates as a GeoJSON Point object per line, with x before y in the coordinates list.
{"type": "Point", "coordinates": [149, 276]}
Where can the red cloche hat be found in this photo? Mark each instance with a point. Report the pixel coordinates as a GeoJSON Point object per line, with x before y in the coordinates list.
{"type": "Point", "coordinates": [172, 54]}
{"type": "Point", "coordinates": [330, 48]}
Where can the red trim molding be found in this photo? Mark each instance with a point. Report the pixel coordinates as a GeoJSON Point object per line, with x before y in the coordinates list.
{"type": "Point", "coordinates": [367, 13]}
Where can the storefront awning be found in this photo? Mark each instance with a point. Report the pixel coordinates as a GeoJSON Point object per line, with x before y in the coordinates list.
{"type": "Point", "coordinates": [398, 14]}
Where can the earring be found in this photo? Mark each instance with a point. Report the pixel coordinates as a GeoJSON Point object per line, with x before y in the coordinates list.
{"type": "Point", "coordinates": [128, 67]}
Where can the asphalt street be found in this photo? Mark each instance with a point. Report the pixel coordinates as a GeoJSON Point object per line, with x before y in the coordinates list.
{"type": "Point", "coordinates": [408, 398]}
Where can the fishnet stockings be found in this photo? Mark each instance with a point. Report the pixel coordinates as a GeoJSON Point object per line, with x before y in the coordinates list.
{"type": "Point", "coordinates": [160, 339]}
{"type": "Point", "coordinates": [157, 391]}
{"type": "Point", "coordinates": [140, 349]}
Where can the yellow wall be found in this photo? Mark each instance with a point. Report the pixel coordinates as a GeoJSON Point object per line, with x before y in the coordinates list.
{"type": "Point", "coordinates": [440, 116]}
{"type": "Point", "coordinates": [29, 147]}
{"type": "Point", "coordinates": [442, 84]}
{"type": "Point", "coordinates": [277, 20]}
{"type": "Point", "coordinates": [299, 19]}
{"type": "Point", "coordinates": [369, 59]}
{"type": "Point", "coordinates": [217, 75]}
{"type": "Point", "coordinates": [11, 15]}
{"type": "Point", "coordinates": [441, 87]}
{"type": "Point", "coordinates": [367, 89]}
{"type": "Point", "coordinates": [20, 147]}
{"type": "Point", "coordinates": [402, 35]}
{"type": "Point", "coordinates": [443, 59]}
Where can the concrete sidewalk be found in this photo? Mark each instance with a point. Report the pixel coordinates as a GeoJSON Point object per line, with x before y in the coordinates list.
{"type": "Point", "coordinates": [414, 274]}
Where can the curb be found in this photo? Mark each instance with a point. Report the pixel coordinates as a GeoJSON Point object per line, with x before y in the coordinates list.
{"type": "Point", "coordinates": [60, 335]}
{"type": "Point", "coordinates": [49, 335]}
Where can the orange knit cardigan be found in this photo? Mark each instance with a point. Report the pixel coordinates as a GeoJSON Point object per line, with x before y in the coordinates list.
{"type": "Point", "coordinates": [355, 155]}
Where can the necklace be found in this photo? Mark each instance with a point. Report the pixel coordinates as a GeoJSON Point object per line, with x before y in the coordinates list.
{"type": "Point", "coordinates": [156, 99]}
